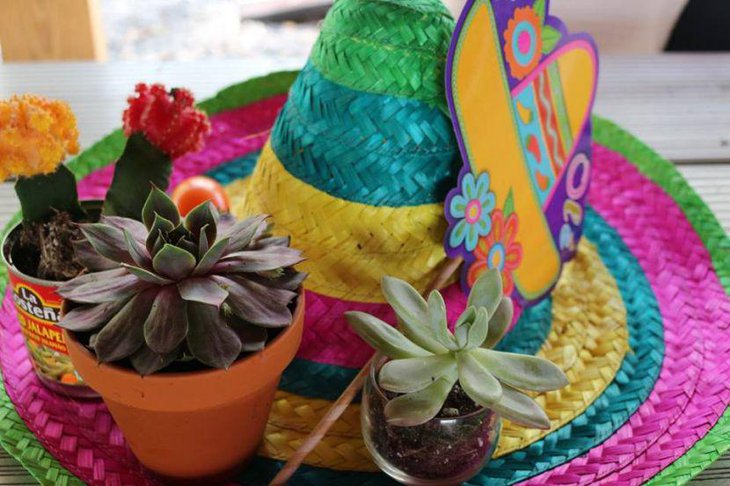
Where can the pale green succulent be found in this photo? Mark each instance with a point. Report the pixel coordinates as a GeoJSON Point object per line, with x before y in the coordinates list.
{"type": "Point", "coordinates": [427, 360]}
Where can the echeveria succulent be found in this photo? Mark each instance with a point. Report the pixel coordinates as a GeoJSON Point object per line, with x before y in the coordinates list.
{"type": "Point", "coordinates": [427, 359]}
{"type": "Point", "coordinates": [204, 287]}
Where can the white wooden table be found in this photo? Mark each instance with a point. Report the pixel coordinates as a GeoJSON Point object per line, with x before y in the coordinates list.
{"type": "Point", "coordinates": [678, 104]}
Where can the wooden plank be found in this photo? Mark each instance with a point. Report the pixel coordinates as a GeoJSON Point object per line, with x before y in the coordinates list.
{"type": "Point", "coordinates": [33, 30]}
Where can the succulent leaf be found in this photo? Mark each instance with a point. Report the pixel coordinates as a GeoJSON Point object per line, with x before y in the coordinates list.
{"type": "Point", "coordinates": [253, 338]}
{"type": "Point", "coordinates": [258, 261]}
{"type": "Point", "coordinates": [160, 228]}
{"type": "Point", "coordinates": [135, 228]}
{"type": "Point", "coordinates": [413, 374]}
{"type": "Point", "coordinates": [477, 381]}
{"type": "Point", "coordinates": [108, 241]}
{"type": "Point", "coordinates": [147, 276]}
{"type": "Point", "coordinates": [146, 361]}
{"type": "Point", "coordinates": [487, 291]}
{"type": "Point", "coordinates": [438, 320]}
{"type": "Point", "coordinates": [203, 290]}
{"type": "Point", "coordinates": [137, 251]}
{"type": "Point", "coordinates": [203, 243]}
{"type": "Point", "coordinates": [106, 290]}
{"type": "Point", "coordinates": [210, 339]}
{"type": "Point", "coordinates": [419, 407]}
{"type": "Point", "coordinates": [203, 217]}
{"type": "Point", "coordinates": [211, 257]}
{"type": "Point", "coordinates": [88, 278]}
{"type": "Point", "coordinates": [90, 317]}
{"type": "Point", "coordinates": [522, 371]}
{"type": "Point", "coordinates": [167, 324]}
{"type": "Point", "coordinates": [173, 262]}
{"type": "Point", "coordinates": [124, 334]}
{"type": "Point", "coordinates": [478, 330]}
{"type": "Point", "coordinates": [242, 233]}
{"type": "Point", "coordinates": [517, 407]}
{"type": "Point", "coordinates": [159, 203]}
{"type": "Point", "coordinates": [256, 303]}
{"type": "Point", "coordinates": [384, 337]}
{"type": "Point", "coordinates": [500, 322]}
{"type": "Point", "coordinates": [413, 313]}
{"type": "Point", "coordinates": [90, 258]}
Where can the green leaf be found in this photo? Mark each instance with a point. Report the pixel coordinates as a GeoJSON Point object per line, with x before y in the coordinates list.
{"type": "Point", "coordinates": [141, 166]}
{"type": "Point", "coordinates": [509, 204]}
{"type": "Point", "coordinates": [487, 291]}
{"type": "Point", "coordinates": [550, 38]}
{"type": "Point", "coordinates": [90, 317]}
{"type": "Point", "coordinates": [108, 241]}
{"type": "Point", "coordinates": [106, 290]}
{"type": "Point", "coordinates": [210, 340]}
{"type": "Point", "coordinates": [413, 313]}
{"type": "Point", "coordinates": [160, 228]}
{"type": "Point", "coordinates": [211, 257]}
{"type": "Point", "coordinates": [500, 322]}
{"type": "Point", "coordinates": [413, 374]}
{"type": "Point", "coordinates": [173, 262]}
{"type": "Point", "coordinates": [259, 304]}
{"type": "Point", "coordinates": [476, 380]}
{"type": "Point", "coordinates": [478, 330]}
{"type": "Point", "coordinates": [439, 322]}
{"type": "Point", "coordinates": [203, 290]}
{"type": "Point", "coordinates": [419, 407]}
{"type": "Point", "coordinates": [41, 194]}
{"type": "Point", "coordinates": [520, 409]}
{"type": "Point", "coordinates": [539, 8]}
{"type": "Point", "coordinates": [167, 323]}
{"type": "Point", "coordinates": [461, 329]}
{"type": "Point", "coordinates": [522, 371]}
{"type": "Point", "coordinates": [158, 202]}
{"type": "Point", "coordinates": [145, 361]}
{"type": "Point", "coordinates": [147, 276]}
{"type": "Point", "coordinates": [383, 337]}
{"type": "Point", "coordinates": [124, 334]}
{"type": "Point", "coordinates": [137, 251]}
{"type": "Point", "coordinates": [203, 217]}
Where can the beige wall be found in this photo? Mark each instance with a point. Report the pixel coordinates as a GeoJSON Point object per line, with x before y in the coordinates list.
{"type": "Point", "coordinates": [619, 26]}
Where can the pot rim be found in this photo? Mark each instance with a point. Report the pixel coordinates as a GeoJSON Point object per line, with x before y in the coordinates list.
{"type": "Point", "coordinates": [297, 316]}
{"type": "Point", "coordinates": [7, 260]}
{"type": "Point", "coordinates": [380, 359]}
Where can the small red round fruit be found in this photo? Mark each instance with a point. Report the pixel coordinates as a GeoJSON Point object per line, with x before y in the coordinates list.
{"type": "Point", "coordinates": [196, 190]}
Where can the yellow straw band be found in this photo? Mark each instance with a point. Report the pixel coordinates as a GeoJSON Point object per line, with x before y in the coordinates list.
{"type": "Point", "coordinates": [349, 246]}
{"type": "Point", "coordinates": [588, 340]}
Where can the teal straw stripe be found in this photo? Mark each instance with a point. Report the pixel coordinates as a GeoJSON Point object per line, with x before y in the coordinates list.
{"type": "Point", "coordinates": [372, 149]}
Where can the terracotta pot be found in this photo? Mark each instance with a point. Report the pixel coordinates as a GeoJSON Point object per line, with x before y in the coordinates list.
{"type": "Point", "coordinates": [204, 424]}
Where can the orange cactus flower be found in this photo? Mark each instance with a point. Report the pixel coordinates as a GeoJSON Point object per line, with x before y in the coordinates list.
{"type": "Point", "coordinates": [36, 135]}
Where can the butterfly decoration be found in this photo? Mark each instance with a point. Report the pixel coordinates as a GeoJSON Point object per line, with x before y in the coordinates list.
{"type": "Point", "coordinates": [520, 89]}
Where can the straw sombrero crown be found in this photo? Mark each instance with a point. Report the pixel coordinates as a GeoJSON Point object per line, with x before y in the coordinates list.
{"type": "Point", "coordinates": [362, 155]}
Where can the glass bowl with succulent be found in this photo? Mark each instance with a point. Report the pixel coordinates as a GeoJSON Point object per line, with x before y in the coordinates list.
{"type": "Point", "coordinates": [41, 250]}
{"type": "Point", "coordinates": [434, 397]}
{"type": "Point", "coordinates": [184, 327]}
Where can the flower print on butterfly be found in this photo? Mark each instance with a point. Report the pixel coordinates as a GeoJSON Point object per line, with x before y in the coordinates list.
{"type": "Point", "coordinates": [523, 42]}
{"type": "Point", "coordinates": [498, 250]}
{"type": "Point", "coordinates": [470, 211]}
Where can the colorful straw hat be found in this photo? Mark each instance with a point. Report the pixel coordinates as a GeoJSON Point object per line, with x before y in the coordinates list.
{"type": "Point", "coordinates": [356, 168]}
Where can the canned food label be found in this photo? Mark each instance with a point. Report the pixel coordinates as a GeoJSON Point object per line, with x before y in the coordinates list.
{"type": "Point", "coordinates": [39, 310]}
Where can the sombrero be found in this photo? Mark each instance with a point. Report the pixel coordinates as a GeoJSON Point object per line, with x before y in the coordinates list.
{"type": "Point", "coordinates": [353, 157]}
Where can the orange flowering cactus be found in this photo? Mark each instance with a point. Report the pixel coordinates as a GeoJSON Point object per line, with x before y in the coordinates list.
{"type": "Point", "coordinates": [36, 135]}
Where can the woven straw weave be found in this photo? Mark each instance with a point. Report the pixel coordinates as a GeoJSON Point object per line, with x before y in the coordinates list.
{"type": "Point", "coordinates": [349, 246]}
{"type": "Point", "coordinates": [395, 47]}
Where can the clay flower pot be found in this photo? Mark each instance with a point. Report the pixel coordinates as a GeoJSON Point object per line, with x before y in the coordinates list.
{"type": "Point", "coordinates": [203, 424]}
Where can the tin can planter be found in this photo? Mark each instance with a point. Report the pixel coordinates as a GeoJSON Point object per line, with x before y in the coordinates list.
{"type": "Point", "coordinates": [199, 426]}
{"type": "Point", "coordinates": [38, 307]}
{"type": "Point", "coordinates": [443, 451]}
